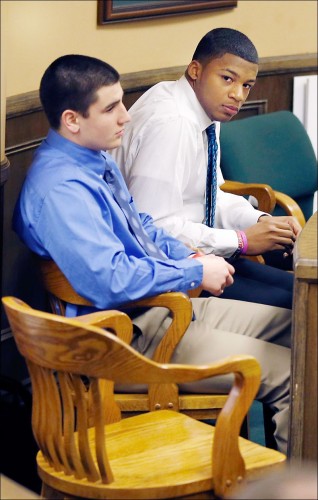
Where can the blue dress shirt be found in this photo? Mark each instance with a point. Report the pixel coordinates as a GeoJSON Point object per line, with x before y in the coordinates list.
{"type": "Point", "coordinates": [66, 212]}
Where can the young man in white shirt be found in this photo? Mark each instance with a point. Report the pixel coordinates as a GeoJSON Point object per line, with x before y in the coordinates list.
{"type": "Point", "coordinates": [164, 158]}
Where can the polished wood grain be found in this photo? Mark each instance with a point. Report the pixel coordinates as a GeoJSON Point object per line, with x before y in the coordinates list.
{"type": "Point", "coordinates": [267, 198]}
{"type": "Point", "coordinates": [290, 206]}
{"type": "Point", "coordinates": [200, 406]}
{"type": "Point", "coordinates": [161, 454]}
{"type": "Point", "coordinates": [264, 194]}
{"type": "Point", "coordinates": [303, 422]}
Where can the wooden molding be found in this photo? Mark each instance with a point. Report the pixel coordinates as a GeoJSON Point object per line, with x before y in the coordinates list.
{"type": "Point", "coordinates": [29, 102]}
{"type": "Point", "coordinates": [4, 170]}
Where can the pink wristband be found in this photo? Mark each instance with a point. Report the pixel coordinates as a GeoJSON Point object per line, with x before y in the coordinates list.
{"type": "Point", "coordinates": [245, 243]}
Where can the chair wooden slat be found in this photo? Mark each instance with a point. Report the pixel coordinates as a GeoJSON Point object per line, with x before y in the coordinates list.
{"type": "Point", "coordinates": [71, 451]}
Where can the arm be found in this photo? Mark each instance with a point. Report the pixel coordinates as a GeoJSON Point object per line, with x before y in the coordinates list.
{"type": "Point", "coordinates": [164, 166]}
{"type": "Point", "coordinates": [97, 265]}
{"type": "Point", "coordinates": [160, 167]}
{"type": "Point", "coordinates": [95, 261]}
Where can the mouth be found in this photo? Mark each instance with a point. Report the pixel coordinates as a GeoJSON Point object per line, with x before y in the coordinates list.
{"type": "Point", "coordinates": [231, 110]}
{"type": "Point", "coordinates": [120, 133]}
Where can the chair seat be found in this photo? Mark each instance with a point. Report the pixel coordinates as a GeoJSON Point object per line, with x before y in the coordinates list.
{"type": "Point", "coordinates": [171, 458]}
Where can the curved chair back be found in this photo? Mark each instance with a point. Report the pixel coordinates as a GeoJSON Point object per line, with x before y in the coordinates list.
{"type": "Point", "coordinates": [274, 149]}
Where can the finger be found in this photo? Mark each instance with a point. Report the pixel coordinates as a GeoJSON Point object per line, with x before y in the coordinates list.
{"type": "Point", "coordinates": [230, 268]}
{"type": "Point", "coordinates": [285, 233]}
{"type": "Point", "coordinates": [286, 254]}
{"type": "Point", "coordinates": [286, 248]}
{"type": "Point", "coordinates": [288, 242]}
{"type": "Point", "coordinates": [229, 280]}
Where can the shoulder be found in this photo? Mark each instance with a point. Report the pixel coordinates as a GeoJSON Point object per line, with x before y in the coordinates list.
{"type": "Point", "coordinates": [52, 166]}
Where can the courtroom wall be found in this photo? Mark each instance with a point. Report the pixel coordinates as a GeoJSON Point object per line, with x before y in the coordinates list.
{"type": "Point", "coordinates": [36, 32]}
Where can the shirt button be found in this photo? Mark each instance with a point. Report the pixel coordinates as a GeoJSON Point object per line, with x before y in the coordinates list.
{"type": "Point", "coordinates": [192, 284]}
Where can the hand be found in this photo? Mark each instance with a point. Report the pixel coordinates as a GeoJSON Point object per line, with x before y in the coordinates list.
{"type": "Point", "coordinates": [271, 233]}
{"type": "Point", "coordinates": [292, 221]}
{"type": "Point", "coordinates": [217, 273]}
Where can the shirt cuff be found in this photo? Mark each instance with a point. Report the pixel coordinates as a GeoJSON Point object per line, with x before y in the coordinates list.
{"type": "Point", "coordinates": [193, 273]}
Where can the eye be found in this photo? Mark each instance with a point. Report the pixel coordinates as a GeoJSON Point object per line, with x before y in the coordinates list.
{"type": "Point", "coordinates": [227, 78]}
{"type": "Point", "coordinates": [248, 86]}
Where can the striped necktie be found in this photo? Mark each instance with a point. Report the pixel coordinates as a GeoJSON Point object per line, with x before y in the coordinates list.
{"type": "Point", "coordinates": [211, 179]}
{"type": "Point", "coordinates": [131, 214]}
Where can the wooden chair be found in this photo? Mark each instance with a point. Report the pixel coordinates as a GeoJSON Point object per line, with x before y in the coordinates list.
{"type": "Point", "coordinates": [199, 406]}
{"type": "Point", "coordinates": [268, 199]}
{"type": "Point", "coordinates": [162, 454]}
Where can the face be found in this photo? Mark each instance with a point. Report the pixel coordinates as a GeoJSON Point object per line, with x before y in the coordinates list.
{"type": "Point", "coordinates": [104, 127]}
{"type": "Point", "coordinates": [222, 85]}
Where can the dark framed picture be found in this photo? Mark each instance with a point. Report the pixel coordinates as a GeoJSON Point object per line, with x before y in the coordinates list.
{"type": "Point", "coordinates": [115, 11]}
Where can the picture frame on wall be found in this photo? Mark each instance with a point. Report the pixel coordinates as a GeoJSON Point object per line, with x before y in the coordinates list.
{"type": "Point", "coordinates": [115, 11]}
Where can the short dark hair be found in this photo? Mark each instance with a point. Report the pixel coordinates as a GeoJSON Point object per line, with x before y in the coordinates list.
{"type": "Point", "coordinates": [71, 82]}
{"type": "Point", "coordinates": [222, 41]}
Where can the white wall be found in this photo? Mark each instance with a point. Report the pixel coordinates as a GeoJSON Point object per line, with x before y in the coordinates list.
{"type": "Point", "coordinates": [305, 108]}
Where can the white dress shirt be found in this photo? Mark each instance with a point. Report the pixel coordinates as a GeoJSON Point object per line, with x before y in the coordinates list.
{"type": "Point", "coordinates": [163, 158]}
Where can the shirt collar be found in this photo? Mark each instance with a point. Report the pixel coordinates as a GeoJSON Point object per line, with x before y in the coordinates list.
{"type": "Point", "coordinates": [85, 157]}
{"type": "Point", "coordinates": [201, 117]}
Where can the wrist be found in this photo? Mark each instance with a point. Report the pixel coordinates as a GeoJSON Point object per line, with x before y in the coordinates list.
{"type": "Point", "coordinates": [242, 245]}
{"type": "Point", "coordinates": [263, 217]}
{"type": "Point", "coordinates": [245, 243]}
{"type": "Point", "coordinates": [195, 255]}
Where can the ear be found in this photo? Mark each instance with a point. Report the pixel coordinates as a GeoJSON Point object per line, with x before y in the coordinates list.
{"type": "Point", "coordinates": [70, 120]}
{"type": "Point", "coordinates": [194, 70]}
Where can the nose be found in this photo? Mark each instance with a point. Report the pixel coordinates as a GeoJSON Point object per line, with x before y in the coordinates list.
{"type": "Point", "coordinates": [124, 115]}
{"type": "Point", "coordinates": [237, 92]}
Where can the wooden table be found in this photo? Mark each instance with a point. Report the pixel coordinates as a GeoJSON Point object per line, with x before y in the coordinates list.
{"type": "Point", "coordinates": [303, 421]}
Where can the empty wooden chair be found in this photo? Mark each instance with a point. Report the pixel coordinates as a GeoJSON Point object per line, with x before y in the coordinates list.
{"type": "Point", "coordinates": [162, 454]}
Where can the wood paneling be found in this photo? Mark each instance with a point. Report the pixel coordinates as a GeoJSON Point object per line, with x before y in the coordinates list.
{"type": "Point", "coordinates": [303, 418]}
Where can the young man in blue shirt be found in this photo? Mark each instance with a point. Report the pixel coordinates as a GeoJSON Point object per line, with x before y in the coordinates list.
{"type": "Point", "coordinates": [74, 208]}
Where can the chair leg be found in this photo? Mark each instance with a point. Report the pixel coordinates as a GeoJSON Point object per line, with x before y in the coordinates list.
{"type": "Point", "coordinates": [269, 427]}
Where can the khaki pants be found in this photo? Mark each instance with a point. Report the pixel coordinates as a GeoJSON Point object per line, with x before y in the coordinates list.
{"type": "Point", "coordinates": [226, 327]}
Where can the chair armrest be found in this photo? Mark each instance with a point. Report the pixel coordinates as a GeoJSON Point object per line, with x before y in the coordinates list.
{"type": "Point", "coordinates": [180, 306]}
{"type": "Point", "coordinates": [114, 321]}
{"type": "Point", "coordinates": [267, 198]}
{"type": "Point", "coordinates": [264, 194]}
{"type": "Point", "coordinates": [195, 292]}
{"type": "Point", "coordinates": [290, 206]}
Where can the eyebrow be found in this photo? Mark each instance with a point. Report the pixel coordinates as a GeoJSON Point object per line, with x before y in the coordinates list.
{"type": "Point", "coordinates": [113, 103]}
{"type": "Point", "coordinates": [237, 75]}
